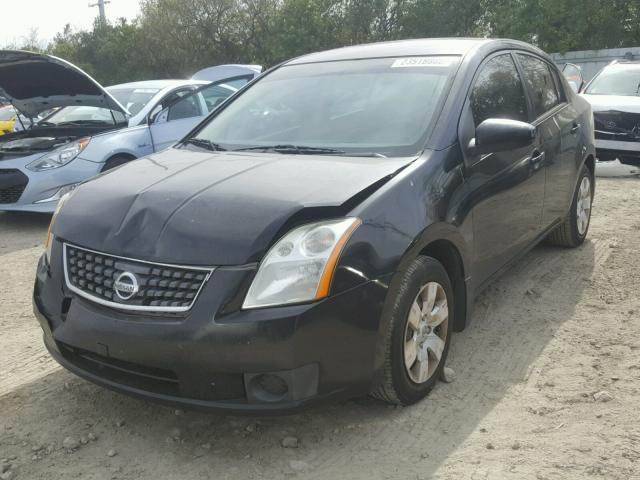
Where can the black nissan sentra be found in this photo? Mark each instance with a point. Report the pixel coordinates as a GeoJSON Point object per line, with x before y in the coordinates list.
{"type": "Point", "coordinates": [323, 233]}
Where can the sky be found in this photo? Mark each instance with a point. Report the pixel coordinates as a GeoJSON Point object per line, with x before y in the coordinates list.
{"type": "Point", "coordinates": [50, 16]}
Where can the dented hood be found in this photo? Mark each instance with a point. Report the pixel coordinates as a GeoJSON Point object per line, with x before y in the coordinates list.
{"type": "Point", "coordinates": [605, 103]}
{"type": "Point", "coordinates": [221, 208]}
{"type": "Point", "coordinates": [34, 82]}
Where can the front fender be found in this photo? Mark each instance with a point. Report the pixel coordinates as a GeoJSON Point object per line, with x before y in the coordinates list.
{"type": "Point", "coordinates": [134, 141]}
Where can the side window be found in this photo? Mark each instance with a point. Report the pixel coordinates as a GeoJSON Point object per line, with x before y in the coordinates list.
{"type": "Point", "coordinates": [216, 94]}
{"type": "Point", "coordinates": [186, 107]}
{"type": "Point", "coordinates": [498, 92]}
{"type": "Point", "coordinates": [539, 80]}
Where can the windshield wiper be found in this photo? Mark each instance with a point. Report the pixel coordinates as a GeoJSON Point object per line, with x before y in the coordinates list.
{"type": "Point", "coordinates": [299, 149]}
{"type": "Point", "coordinates": [206, 144]}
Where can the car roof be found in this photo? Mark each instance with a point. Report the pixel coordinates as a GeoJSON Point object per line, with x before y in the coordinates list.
{"type": "Point", "coordinates": [159, 84]}
{"type": "Point", "coordinates": [417, 47]}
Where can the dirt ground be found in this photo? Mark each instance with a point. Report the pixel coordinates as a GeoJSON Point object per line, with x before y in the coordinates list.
{"type": "Point", "coordinates": [547, 387]}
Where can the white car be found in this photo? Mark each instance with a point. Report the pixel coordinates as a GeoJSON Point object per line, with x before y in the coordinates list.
{"type": "Point", "coordinates": [614, 95]}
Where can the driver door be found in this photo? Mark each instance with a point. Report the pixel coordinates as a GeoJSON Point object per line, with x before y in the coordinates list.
{"type": "Point", "coordinates": [507, 187]}
{"type": "Point", "coordinates": [180, 114]}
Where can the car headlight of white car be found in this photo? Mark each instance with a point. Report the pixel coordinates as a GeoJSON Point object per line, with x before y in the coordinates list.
{"type": "Point", "coordinates": [300, 266]}
{"type": "Point", "coordinates": [59, 157]}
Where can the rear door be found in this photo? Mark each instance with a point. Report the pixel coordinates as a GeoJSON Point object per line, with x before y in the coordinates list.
{"type": "Point", "coordinates": [179, 116]}
{"type": "Point", "coordinates": [558, 128]}
{"type": "Point", "coordinates": [507, 188]}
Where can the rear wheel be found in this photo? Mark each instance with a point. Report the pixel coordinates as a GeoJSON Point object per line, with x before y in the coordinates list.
{"type": "Point", "coordinates": [418, 334]}
{"type": "Point", "coordinates": [573, 231]}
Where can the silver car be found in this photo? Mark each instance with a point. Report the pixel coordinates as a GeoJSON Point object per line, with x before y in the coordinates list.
{"type": "Point", "coordinates": [93, 129]}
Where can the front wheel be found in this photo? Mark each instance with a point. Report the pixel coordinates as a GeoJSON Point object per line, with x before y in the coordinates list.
{"type": "Point", "coordinates": [418, 333]}
{"type": "Point", "coordinates": [573, 231]}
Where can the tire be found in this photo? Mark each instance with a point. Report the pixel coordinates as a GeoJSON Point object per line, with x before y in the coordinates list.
{"type": "Point", "coordinates": [403, 384]}
{"type": "Point", "coordinates": [573, 231]}
{"type": "Point", "coordinates": [116, 161]}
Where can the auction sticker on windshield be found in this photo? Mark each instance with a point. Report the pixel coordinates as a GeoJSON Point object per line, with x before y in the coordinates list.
{"type": "Point", "coordinates": [423, 62]}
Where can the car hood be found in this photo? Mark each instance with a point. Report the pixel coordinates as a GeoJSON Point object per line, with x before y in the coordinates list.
{"type": "Point", "coordinates": [34, 82]}
{"type": "Point", "coordinates": [210, 209]}
{"type": "Point", "coordinates": [620, 103]}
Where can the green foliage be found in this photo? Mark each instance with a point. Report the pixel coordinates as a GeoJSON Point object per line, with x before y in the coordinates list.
{"type": "Point", "coordinates": [174, 38]}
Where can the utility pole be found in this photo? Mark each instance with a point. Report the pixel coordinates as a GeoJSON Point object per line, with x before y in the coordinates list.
{"type": "Point", "coordinates": [100, 5]}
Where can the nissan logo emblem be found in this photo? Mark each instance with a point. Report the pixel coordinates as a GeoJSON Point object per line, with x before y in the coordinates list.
{"type": "Point", "coordinates": [126, 285]}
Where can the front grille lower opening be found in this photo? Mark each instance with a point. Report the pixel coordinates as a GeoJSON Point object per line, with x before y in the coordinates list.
{"type": "Point", "coordinates": [154, 380]}
{"type": "Point", "coordinates": [12, 185]}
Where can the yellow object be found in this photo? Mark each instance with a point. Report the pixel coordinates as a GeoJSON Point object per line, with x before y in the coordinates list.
{"type": "Point", "coordinates": [7, 119]}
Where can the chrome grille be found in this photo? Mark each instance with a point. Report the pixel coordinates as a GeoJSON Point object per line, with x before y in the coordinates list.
{"type": "Point", "coordinates": [159, 287]}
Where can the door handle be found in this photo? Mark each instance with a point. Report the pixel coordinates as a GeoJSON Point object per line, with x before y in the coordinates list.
{"type": "Point", "coordinates": [537, 158]}
{"type": "Point", "coordinates": [575, 128]}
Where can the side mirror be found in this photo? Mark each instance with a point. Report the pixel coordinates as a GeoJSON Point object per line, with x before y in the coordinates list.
{"type": "Point", "coordinates": [500, 134]}
{"type": "Point", "coordinates": [573, 74]}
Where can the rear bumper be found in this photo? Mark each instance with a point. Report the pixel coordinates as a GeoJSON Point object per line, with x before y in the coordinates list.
{"type": "Point", "coordinates": [218, 357]}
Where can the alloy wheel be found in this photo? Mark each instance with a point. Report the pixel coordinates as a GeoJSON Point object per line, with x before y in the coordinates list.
{"type": "Point", "coordinates": [583, 205]}
{"type": "Point", "coordinates": [426, 332]}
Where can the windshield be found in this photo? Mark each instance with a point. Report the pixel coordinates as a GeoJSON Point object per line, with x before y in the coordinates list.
{"type": "Point", "coordinates": [383, 106]}
{"type": "Point", "coordinates": [133, 99]}
{"type": "Point", "coordinates": [7, 114]}
{"type": "Point", "coordinates": [621, 79]}
{"type": "Point", "coordinates": [84, 115]}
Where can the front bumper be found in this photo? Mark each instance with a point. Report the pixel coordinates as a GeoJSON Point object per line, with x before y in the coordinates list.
{"type": "Point", "coordinates": [40, 185]}
{"type": "Point", "coordinates": [217, 357]}
{"type": "Point", "coordinates": [627, 152]}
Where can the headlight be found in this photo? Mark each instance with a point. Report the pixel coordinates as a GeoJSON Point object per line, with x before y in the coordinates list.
{"type": "Point", "coordinates": [49, 242]}
{"type": "Point", "coordinates": [60, 156]}
{"type": "Point", "coordinates": [300, 266]}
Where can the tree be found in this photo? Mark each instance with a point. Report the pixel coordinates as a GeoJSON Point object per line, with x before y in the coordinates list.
{"type": "Point", "coordinates": [175, 38]}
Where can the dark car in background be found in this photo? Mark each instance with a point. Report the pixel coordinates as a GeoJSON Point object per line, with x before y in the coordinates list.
{"type": "Point", "coordinates": [322, 234]}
